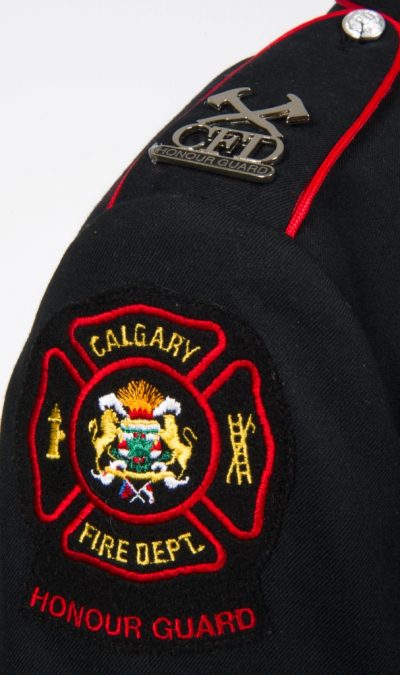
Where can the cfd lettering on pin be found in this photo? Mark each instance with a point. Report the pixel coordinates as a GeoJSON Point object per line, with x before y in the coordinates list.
{"type": "Point", "coordinates": [219, 144]}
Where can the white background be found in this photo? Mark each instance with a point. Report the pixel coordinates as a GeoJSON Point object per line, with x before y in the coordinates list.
{"type": "Point", "coordinates": [84, 85]}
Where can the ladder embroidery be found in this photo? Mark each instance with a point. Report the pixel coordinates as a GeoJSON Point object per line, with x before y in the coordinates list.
{"type": "Point", "coordinates": [240, 458]}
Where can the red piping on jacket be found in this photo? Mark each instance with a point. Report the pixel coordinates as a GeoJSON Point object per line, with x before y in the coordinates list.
{"type": "Point", "coordinates": [354, 5]}
{"type": "Point", "coordinates": [350, 5]}
{"type": "Point", "coordinates": [306, 198]}
{"type": "Point", "coordinates": [219, 84]}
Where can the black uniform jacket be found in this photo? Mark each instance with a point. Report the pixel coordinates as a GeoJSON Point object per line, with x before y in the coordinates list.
{"type": "Point", "coordinates": [200, 444]}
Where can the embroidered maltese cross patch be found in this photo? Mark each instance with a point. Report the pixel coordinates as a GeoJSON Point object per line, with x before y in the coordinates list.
{"type": "Point", "coordinates": [160, 451]}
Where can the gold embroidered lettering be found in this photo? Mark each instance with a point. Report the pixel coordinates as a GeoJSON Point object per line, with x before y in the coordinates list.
{"type": "Point", "coordinates": [107, 545]}
{"type": "Point", "coordinates": [142, 554]}
{"type": "Point", "coordinates": [93, 340]}
{"type": "Point", "coordinates": [104, 544]}
{"type": "Point", "coordinates": [111, 340]}
{"type": "Point", "coordinates": [87, 532]}
{"type": "Point", "coordinates": [187, 538]}
{"type": "Point", "coordinates": [175, 343]}
{"type": "Point", "coordinates": [158, 552]}
{"type": "Point", "coordinates": [173, 546]}
{"type": "Point", "coordinates": [164, 552]}
{"type": "Point", "coordinates": [95, 540]}
{"type": "Point", "coordinates": [122, 551]}
{"type": "Point", "coordinates": [189, 352]}
{"type": "Point", "coordinates": [124, 340]}
{"type": "Point", "coordinates": [158, 338]}
{"type": "Point", "coordinates": [140, 335]}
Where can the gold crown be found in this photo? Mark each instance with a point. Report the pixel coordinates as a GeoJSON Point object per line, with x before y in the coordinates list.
{"type": "Point", "coordinates": [141, 396]}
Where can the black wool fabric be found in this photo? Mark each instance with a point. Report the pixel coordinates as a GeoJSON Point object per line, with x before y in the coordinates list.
{"type": "Point", "coordinates": [325, 304]}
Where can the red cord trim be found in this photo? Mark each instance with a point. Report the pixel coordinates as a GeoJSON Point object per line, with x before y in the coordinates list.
{"type": "Point", "coordinates": [182, 508]}
{"type": "Point", "coordinates": [225, 79]}
{"type": "Point", "coordinates": [149, 576]}
{"type": "Point", "coordinates": [120, 185]}
{"type": "Point", "coordinates": [354, 5]}
{"type": "Point", "coordinates": [350, 5]}
{"type": "Point", "coordinates": [269, 445]}
{"type": "Point", "coordinates": [308, 195]}
{"type": "Point", "coordinates": [37, 481]}
{"type": "Point", "coordinates": [153, 311]}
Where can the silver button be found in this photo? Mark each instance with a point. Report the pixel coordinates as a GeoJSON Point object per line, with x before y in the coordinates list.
{"type": "Point", "coordinates": [364, 25]}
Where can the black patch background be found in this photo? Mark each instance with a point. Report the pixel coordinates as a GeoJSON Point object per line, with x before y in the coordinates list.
{"type": "Point", "coordinates": [236, 584]}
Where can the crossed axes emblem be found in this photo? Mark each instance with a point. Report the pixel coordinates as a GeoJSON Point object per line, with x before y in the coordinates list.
{"type": "Point", "coordinates": [293, 110]}
{"type": "Point", "coordinates": [206, 144]}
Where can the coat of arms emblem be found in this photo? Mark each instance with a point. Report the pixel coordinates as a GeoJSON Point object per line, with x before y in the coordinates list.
{"type": "Point", "coordinates": [137, 442]}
